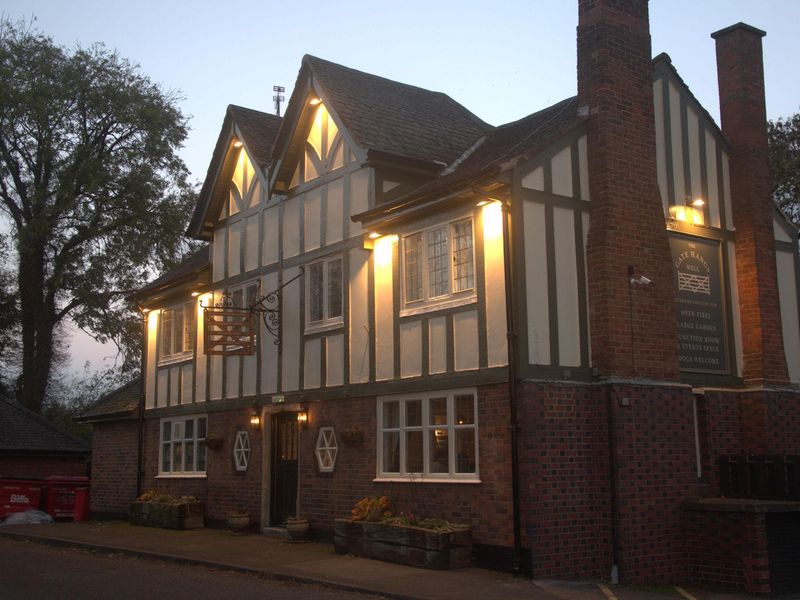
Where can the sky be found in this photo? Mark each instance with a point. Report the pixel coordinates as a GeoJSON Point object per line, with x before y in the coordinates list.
{"type": "Point", "coordinates": [502, 59]}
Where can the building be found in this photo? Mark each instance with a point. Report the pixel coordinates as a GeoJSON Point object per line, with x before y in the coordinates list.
{"type": "Point", "coordinates": [552, 329]}
{"type": "Point", "coordinates": [32, 447]}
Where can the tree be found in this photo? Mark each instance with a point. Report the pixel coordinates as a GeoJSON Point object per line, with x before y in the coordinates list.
{"type": "Point", "coordinates": [784, 158]}
{"type": "Point", "coordinates": [92, 188]}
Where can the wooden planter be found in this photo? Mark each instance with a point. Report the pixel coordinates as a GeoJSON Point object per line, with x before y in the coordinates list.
{"type": "Point", "coordinates": [167, 516]}
{"type": "Point", "coordinates": [411, 546]}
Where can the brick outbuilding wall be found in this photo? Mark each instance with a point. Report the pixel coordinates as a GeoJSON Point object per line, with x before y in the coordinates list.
{"type": "Point", "coordinates": [42, 466]}
{"type": "Point", "coordinates": [114, 455]}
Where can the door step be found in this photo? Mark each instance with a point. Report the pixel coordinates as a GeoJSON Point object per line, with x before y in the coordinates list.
{"type": "Point", "coordinates": [275, 532]}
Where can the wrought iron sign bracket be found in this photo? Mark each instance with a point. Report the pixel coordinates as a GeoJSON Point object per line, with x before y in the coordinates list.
{"type": "Point", "coordinates": [269, 306]}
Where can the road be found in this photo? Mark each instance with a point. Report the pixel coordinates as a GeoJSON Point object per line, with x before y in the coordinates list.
{"type": "Point", "coordinates": [30, 571]}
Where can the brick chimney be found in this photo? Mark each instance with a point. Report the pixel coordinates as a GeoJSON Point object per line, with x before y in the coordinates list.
{"type": "Point", "coordinates": [740, 70]}
{"type": "Point", "coordinates": [633, 328]}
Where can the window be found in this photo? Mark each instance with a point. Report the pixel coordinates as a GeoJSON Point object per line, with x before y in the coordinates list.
{"type": "Point", "coordinates": [325, 292]}
{"type": "Point", "coordinates": [326, 449]}
{"type": "Point", "coordinates": [241, 451]}
{"type": "Point", "coordinates": [183, 446]}
{"type": "Point", "coordinates": [439, 262]}
{"type": "Point", "coordinates": [177, 330]}
{"type": "Point", "coordinates": [433, 435]}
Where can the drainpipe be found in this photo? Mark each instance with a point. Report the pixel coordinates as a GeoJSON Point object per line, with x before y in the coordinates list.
{"type": "Point", "coordinates": [612, 479]}
{"type": "Point", "coordinates": [511, 336]}
{"type": "Point", "coordinates": [142, 379]}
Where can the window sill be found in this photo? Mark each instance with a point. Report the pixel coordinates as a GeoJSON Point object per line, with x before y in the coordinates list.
{"type": "Point", "coordinates": [182, 476]}
{"type": "Point", "coordinates": [434, 305]}
{"type": "Point", "coordinates": [323, 327]}
{"type": "Point", "coordinates": [421, 479]}
{"type": "Point", "coordinates": [175, 358]}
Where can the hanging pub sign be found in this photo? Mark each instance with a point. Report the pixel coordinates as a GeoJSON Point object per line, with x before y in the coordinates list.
{"type": "Point", "coordinates": [697, 276]}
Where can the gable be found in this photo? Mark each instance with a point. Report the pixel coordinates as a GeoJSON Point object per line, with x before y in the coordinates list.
{"type": "Point", "coordinates": [691, 152]}
{"type": "Point", "coordinates": [240, 159]}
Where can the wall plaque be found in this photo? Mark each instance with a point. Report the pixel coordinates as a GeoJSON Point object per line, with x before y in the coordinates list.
{"type": "Point", "coordinates": [697, 276]}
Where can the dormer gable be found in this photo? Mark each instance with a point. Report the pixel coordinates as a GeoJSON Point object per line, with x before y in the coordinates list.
{"type": "Point", "coordinates": [237, 174]}
{"type": "Point", "coordinates": [383, 122]}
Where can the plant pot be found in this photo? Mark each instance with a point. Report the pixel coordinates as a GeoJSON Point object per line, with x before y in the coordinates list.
{"type": "Point", "coordinates": [214, 442]}
{"type": "Point", "coordinates": [297, 528]}
{"type": "Point", "coordinates": [239, 522]}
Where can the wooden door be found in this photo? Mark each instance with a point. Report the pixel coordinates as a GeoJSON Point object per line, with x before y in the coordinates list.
{"type": "Point", "coordinates": [284, 467]}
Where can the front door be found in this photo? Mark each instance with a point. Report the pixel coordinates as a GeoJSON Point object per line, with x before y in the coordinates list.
{"type": "Point", "coordinates": [284, 467]}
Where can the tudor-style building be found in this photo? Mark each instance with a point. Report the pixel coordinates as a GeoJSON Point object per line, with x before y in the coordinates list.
{"type": "Point", "coordinates": [551, 329]}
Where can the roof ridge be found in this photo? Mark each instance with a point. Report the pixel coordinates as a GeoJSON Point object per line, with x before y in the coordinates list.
{"type": "Point", "coordinates": [253, 110]}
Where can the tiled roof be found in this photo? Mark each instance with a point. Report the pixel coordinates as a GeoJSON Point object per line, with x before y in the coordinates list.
{"type": "Point", "coordinates": [194, 263]}
{"type": "Point", "coordinates": [396, 118]}
{"type": "Point", "coordinates": [24, 432]}
{"type": "Point", "coordinates": [259, 130]}
{"type": "Point", "coordinates": [122, 402]}
{"type": "Point", "coordinates": [497, 152]}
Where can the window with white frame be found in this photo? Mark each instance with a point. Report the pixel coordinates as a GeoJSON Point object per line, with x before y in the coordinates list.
{"type": "Point", "coordinates": [326, 449]}
{"type": "Point", "coordinates": [432, 435]}
{"type": "Point", "coordinates": [324, 292]}
{"type": "Point", "coordinates": [177, 330]}
{"type": "Point", "coordinates": [241, 451]}
{"type": "Point", "coordinates": [183, 446]}
{"type": "Point", "coordinates": [245, 296]}
{"type": "Point", "coordinates": [439, 262]}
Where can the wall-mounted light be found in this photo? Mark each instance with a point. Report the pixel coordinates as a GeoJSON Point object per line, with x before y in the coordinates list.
{"type": "Point", "coordinates": [314, 101]}
{"type": "Point", "coordinates": [698, 203]}
{"type": "Point", "coordinates": [686, 214]}
{"type": "Point", "coordinates": [302, 417]}
{"type": "Point", "coordinates": [145, 311]}
{"type": "Point", "coordinates": [237, 144]}
{"type": "Point", "coordinates": [255, 419]}
{"type": "Point", "coordinates": [195, 294]}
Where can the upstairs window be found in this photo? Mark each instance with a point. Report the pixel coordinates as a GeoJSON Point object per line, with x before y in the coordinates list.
{"type": "Point", "coordinates": [177, 330]}
{"type": "Point", "coordinates": [438, 263]}
{"type": "Point", "coordinates": [324, 292]}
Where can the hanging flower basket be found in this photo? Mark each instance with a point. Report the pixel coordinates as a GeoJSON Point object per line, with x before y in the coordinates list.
{"type": "Point", "coordinates": [214, 441]}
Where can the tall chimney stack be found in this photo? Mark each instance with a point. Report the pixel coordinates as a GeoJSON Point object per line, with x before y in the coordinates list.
{"type": "Point", "coordinates": [740, 70]}
{"type": "Point", "coordinates": [633, 329]}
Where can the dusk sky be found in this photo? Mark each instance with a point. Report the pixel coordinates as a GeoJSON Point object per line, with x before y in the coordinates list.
{"type": "Point", "coordinates": [501, 59]}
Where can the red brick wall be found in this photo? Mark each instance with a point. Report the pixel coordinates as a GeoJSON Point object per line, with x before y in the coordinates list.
{"type": "Point", "coordinates": [229, 490]}
{"type": "Point", "coordinates": [114, 454]}
{"type": "Point", "coordinates": [743, 114]}
{"type": "Point", "coordinates": [753, 421]}
{"type": "Point", "coordinates": [564, 481]}
{"type": "Point", "coordinates": [566, 487]}
{"type": "Point", "coordinates": [486, 506]}
{"type": "Point", "coordinates": [633, 330]}
{"type": "Point", "coordinates": [33, 466]}
{"type": "Point", "coordinates": [728, 550]}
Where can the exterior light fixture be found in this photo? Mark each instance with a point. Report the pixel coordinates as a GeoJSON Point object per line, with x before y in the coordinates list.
{"type": "Point", "coordinates": [314, 101]}
{"type": "Point", "coordinates": [302, 417]}
{"type": "Point", "coordinates": [686, 214]}
{"type": "Point", "coordinates": [374, 235]}
{"type": "Point", "coordinates": [145, 311]}
{"type": "Point", "coordinates": [237, 144]}
{"type": "Point", "coordinates": [195, 294]}
{"type": "Point", "coordinates": [698, 203]}
{"type": "Point", "coordinates": [255, 419]}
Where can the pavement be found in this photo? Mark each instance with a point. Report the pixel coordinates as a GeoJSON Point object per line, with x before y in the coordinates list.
{"type": "Point", "coordinates": [317, 563]}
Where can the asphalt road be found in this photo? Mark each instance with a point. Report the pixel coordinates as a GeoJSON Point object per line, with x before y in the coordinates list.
{"type": "Point", "coordinates": [30, 571]}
